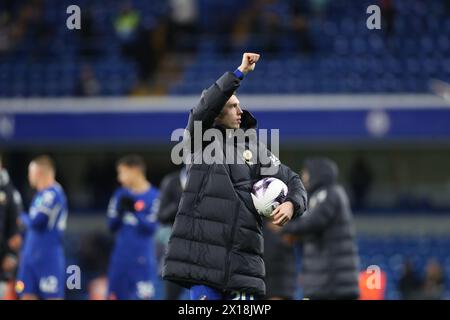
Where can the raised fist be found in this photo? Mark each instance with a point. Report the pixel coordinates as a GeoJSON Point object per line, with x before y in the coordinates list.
{"type": "Point", "coordinates": [248, 62]}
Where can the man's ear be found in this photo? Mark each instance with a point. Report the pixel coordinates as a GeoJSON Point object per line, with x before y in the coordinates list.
{"type": "Point", "coordinates": [221, 114]}
{"type": "Point", "coordinates": [217, 120]}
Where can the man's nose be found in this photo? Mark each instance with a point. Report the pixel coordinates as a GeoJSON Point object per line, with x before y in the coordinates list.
{"type": "Point", "coordinates": [239, 110]}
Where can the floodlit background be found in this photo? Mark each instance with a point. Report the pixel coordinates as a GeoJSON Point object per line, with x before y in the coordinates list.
{"type": "Point", "coordinates": [372, 100]}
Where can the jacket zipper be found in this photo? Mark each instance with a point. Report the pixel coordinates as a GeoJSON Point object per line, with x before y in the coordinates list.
{"type": "Point", "coordinates": [233, 228]}
{"type": "Point", "coordinates": [230, 245]}
{"type": "Point", "coordinates": [205, 179]}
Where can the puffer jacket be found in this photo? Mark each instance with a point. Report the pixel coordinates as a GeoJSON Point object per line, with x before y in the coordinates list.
{"type": "Point", "coordinates": [330, 261]}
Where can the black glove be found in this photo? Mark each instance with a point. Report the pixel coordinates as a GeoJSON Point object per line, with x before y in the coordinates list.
{"type": "Point", "coordinates": [126, 204]}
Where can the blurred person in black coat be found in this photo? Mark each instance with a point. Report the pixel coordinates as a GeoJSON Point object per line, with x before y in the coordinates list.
{"type": "Point", "coordinates": [409, 284]}
{"type": "Point", "coordinates": [330, 261]}
{"type": "Point", "coordinates": [434, 282]}
{"type": "Point", "coordinates": [10, 239]}
{"type": "Point", "coordinates": [279, 258]}
{"type": "Point", "coordinates": [171, 189]}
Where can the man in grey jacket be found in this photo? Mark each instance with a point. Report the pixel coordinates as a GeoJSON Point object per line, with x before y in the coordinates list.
{"type": "Point", "coordinates": [330, 262]}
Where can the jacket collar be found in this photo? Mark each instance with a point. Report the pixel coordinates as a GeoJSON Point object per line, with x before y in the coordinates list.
{"type": "Point", "coordinates": [248, 120]}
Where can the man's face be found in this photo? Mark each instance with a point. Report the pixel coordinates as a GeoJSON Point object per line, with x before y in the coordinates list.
{"type": "Point", "coordinates": [231, 114]}
{"type": "Point", "coordinates": [34, 174]}
{"type": "Point", "coordinates": [126, 175]}
{"type": "Point", "coordinates": [305, 178]}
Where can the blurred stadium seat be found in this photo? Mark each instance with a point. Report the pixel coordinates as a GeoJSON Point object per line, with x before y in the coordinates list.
{"type": "Point", "coordinates": [346, 58]}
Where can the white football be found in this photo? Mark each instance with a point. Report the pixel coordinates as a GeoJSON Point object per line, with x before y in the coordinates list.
{"type": "Point", "coordinates": [267, 194]}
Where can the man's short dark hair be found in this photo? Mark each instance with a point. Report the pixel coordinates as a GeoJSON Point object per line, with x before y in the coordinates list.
{"type": "Point", "coordinates": [133, 161]}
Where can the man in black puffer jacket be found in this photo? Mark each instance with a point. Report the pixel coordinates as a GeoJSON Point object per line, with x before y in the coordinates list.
{"type": "Point", "coordinates": [216, 245]}
{"type": "Point", "coordinates": [330, 262]}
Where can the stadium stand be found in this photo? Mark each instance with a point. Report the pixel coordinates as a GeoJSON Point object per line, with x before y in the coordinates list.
{"type": "Point", "coordinates": [343, 56]}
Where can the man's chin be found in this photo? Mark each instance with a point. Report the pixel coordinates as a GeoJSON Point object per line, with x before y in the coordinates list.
{"type": "Point", "coordinates": [234, 126]}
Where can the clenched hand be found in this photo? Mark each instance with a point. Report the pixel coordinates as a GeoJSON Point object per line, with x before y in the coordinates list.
{"type": "Point", "coordinates": [248, 62]}
{"type": "Point", "coordinates": [283, 213]}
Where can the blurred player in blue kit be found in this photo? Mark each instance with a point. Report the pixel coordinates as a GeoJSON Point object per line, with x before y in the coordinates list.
{"type": "Point", "coordinates": [41, 272]}
{"type": "Point", "coordinates": [132, 214]}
